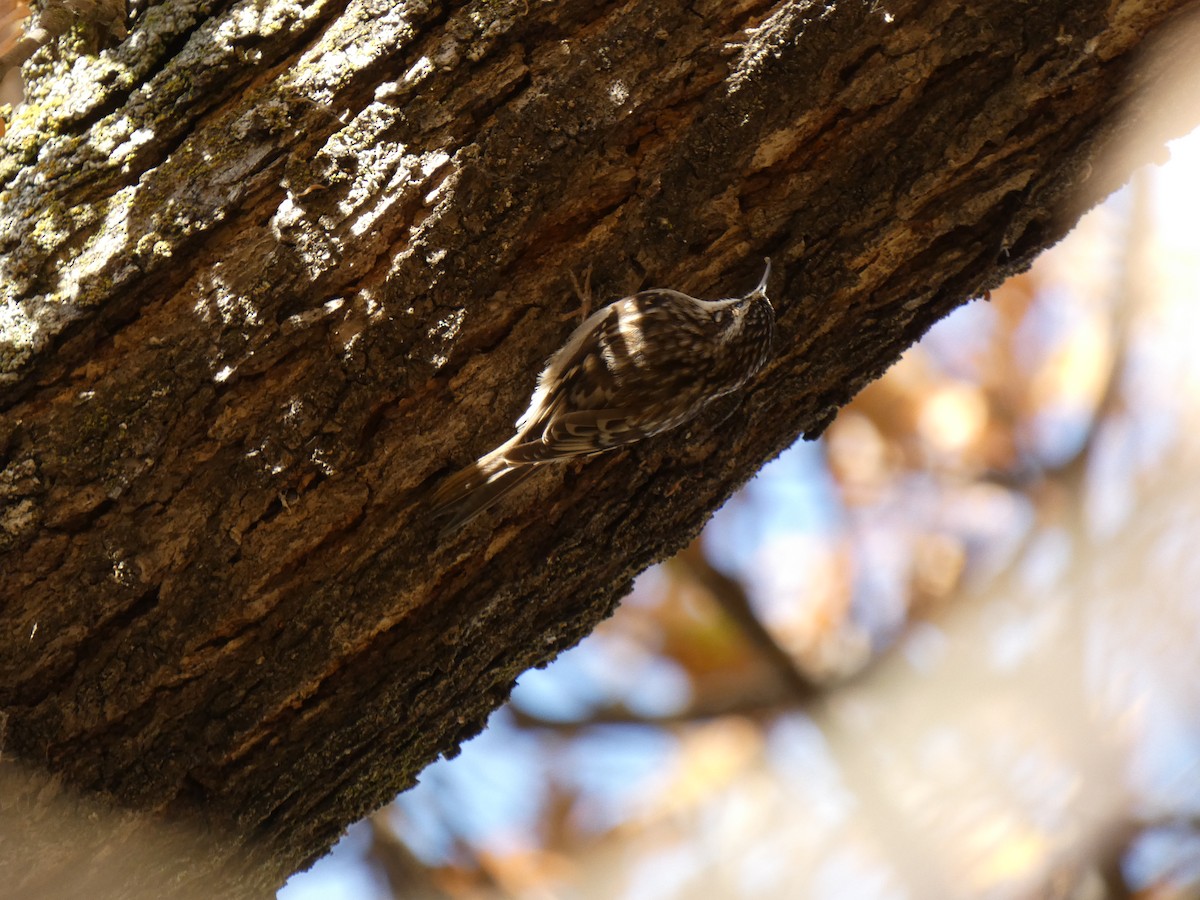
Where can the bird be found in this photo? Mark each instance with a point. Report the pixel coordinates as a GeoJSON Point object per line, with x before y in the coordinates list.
{"type": "Point", "coordinates": [633, 369]}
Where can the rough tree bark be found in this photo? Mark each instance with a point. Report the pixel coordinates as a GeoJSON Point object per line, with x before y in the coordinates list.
{"type": "Point", "coordinates": [271, 270]}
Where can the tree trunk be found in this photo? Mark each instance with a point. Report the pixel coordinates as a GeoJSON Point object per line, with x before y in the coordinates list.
{"type": "Point", "coordinates": [271, 271]}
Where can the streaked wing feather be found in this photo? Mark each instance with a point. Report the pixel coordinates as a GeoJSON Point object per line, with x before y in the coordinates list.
{"type": "Point", "coordinates": [579, 434]}
{"type": "Point", "coordinates": [564, 369]}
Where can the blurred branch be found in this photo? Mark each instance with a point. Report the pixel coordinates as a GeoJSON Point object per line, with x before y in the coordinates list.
{"type": "Point", "coordinates": [1112, 875]}
{"type": "Point", "coordinates": [407, 876]}
{"type": "Point", "coordinates": [731, 597]}
{"type": "Point", "coordinates": [770, 699]}
{"type": "Point", "coordinates": [1110, 869]}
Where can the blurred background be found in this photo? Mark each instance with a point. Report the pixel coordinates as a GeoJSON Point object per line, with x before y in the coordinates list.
{"type": "Point", "coordinates": [950, 650]}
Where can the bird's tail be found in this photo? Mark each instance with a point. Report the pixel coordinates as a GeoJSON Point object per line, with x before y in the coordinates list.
{"type": "Point", "coordinates": [475, 488]}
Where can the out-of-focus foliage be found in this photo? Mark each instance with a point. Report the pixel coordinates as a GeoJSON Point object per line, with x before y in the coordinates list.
{"type": "Point", "coordinates": [13, 16]}
{"type": "Point", "coordinates": [952, 650]}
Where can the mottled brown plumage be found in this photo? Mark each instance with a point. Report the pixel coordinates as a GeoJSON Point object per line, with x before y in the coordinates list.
{"type": "Point", "coordinates": [638, 367]}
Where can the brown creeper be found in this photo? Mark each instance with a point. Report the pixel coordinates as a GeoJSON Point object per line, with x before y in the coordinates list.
{"type": "Point", "coordinates": [635, 368]}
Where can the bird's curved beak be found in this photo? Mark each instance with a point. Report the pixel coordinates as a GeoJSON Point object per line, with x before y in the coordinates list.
{"type": "Point", "coordinates": [761, 290]}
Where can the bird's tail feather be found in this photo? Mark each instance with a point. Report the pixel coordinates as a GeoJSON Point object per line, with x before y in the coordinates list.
{"type": "Point", "coordinates": [475, 488]}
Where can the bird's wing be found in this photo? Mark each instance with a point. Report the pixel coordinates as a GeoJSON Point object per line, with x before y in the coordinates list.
{"type": "Point", "coordinates": [574, 366]}
{"type": "Point", "coordinates": [579, 433]}
{"type": "Point", "coordinates": [590, 396]}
